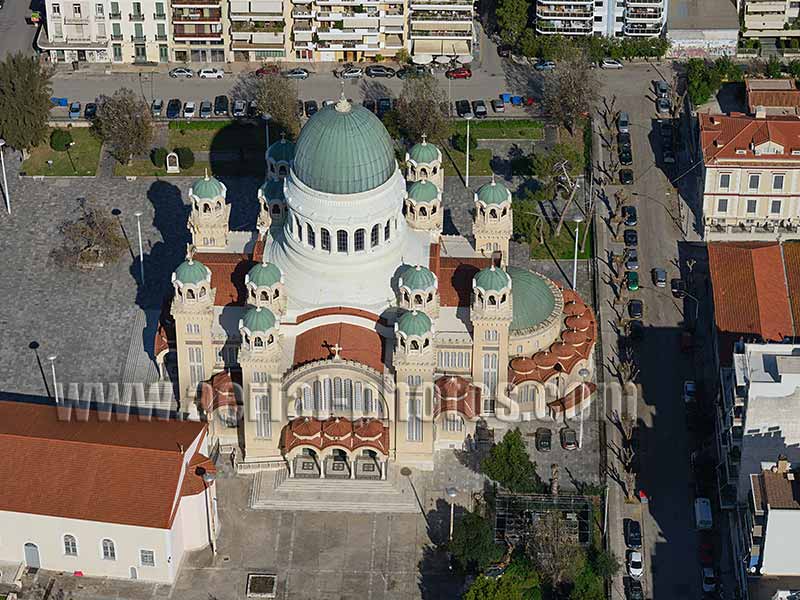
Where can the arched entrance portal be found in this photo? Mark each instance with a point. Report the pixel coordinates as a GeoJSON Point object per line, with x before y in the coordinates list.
{"type": "Point", "coordinates": [32, 556]}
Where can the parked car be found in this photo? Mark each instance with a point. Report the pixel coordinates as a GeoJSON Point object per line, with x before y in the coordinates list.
{"type": "Point", "coordinates": [479, 109]}
{"type": "Point", "coordinates": [633, 589]}
{"type": "Point", "coordinates": [463, 108]}
{"type": "Point", "coordinates": [383, 106]}
{"type": "Point", "coordinates": [709, 579]}
{"type": "Point", "coordinates": [311, 108]}
{"type": "Point", "coordinates": [632, 260]}
{"type": "Point", "coordinates": [678, 287]}
{"type": "Point", "coordinates": [625, 156]}
{"type": "Point", "coordinates": [632, 281]}
{"type": "Point", "coordinates": [267, 70]}
{"type": "Point", "coordinates": [157, 107]}
{"type": "Point", "coordinates": [569, 439]}
{"type": "Point", "coordinates": [665, 131]}
{"type": "Point", "coordinates": [633, 533]}
{"type": "Point", "coordinates": [623, 123]}
{"type": "Point", "coordinates": [206, 109]}
{"type": "Point", "coordinates": [629, 216]}
{"type": "Point", "coordinates": [624, 140]}
{"type": "Point", "coordinates": [635, 564]}
{"type": "Point", "coordinates": [459, 73]}
{"type": "Point", "coordinates": [610, 63]}
{"type": "Point", "coordinates": [189, 110]}
{"type": "Point", "coordinates": [668, 156]}
{"type": "Point", "coordinates": [659, 277]}
{"type": "Point", "coordinates": [498, 105]}
{"type": "Point", "coordinates": [412, 71]}
{"type": "Point", "coordinates": [90, 111]}
{"type": "Point", "coordinates": [351, 73]}
{"type": "Point", "coordinates": [635, 309]}
{"type": "Point", "coordinates": [663, 106]}
{"type": "Point", "coordinates": [689, 391]}
{"type": "Point", "coordinates": [626, 176]}
{"type": "Point", "coordinates": [252, 109]}
{"type": "Point", "coordinates": [703, 517]}
{"type": "Point", "coordinates": [181, 72]}
{"type": "Point", "coordinates": [705, 549]}
{"type": "Point", "coordinates": [631, 238]}
{"type": "Point", "coordinates": [545, 65]}
{"type": "Point", "coordinates": [221, 106]}
{"type": "Point", "coordinates": [239, 108]}
{"type": "Point", "coordinates": [174, 108]}
{"type": "Point", "coordinates": [370, 104]}
{"type": "Point", "coordinates": [662, 89]}
{"type": "Point", "coordinates": [298, 73]}
{"type": "Point", "coordinates": [634, 329]}
{"type": "Point", "coordinates": [543, 439]}
{"type": "Point", "coordinates": [211, 73]}
{"type": "Point", "coordinates": [504, 51]}
{"type": "Point", "coordinates": [75, 110]}
{"type": "Point", "coordinates": [379, 71]}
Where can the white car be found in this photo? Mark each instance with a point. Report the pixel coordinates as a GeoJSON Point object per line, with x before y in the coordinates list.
{"type": "Point", "coordinates": [189, 110]}
{"type": "Point", "coordinates": [635, 566]}
{"type": "Point", "coordinates": [689, 391]}
{"type": "Point", "coordinates": [709, 579]}
{"type": "Point", "coordinates": [610, 63]}
{"type": "Point", "coordinates": [181, 72]}
{"type": "Point", "coordinates": [351, 73]}
{"type": "Point", "coordinates": [211, 73]}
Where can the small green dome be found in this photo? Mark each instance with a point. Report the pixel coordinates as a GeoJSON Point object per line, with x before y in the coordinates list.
{"type": "Point", "coordinates": [492, 279]}
{"type": "Point", "coordinates": [533, 298]}
{"type": "Point", "coordinates": [418, 278]}
{"type": "Point", "coordinates": [192, 272]}
{"type": "Point", "coordinates": [344, 149]}
{"type": "Point", "coordinates": [208, 187]}
{"type": "Point", "coordinates": [258, 319]}
{"type": "Point", "coordinates": [281, 151]}
{"type": "Point", "coordinates": [414, 323]}
{"type": "Point", "coordinates": [424, 152]}
{"type": "Point", "coordinates": [264, 275]}
{"type": "Point", "coordinates": [494, 193]}
{"type": "Point", "coordinates": [273, 189]}
{"type": "Point", "coordinates": [423, 191]}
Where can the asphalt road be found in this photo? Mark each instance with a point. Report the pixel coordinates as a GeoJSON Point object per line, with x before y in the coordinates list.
{"type": "Point", "coordinates": [15, 33]}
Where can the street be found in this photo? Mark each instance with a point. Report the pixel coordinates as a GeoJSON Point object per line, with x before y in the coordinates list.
{"type": "Point", "coordinates": [15, 34]}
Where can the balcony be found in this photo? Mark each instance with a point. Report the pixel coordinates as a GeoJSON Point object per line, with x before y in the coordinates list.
{"type": "Point", "coordinates": [197, 16]}
{"type": "Point", "coordinates": [192, 3]}
{"type": "Point", "coordinates": [257, 27]}
{"type": "Point", "coordinates": [205, 34]}
{"type": "Point", "coordinates": [136, 17]}
{"type": "Point", "coordinates": [440, 34]}
{"type": "Point", "coordinates": [644, 15]}
{"type": "Point", "coordinates": [115, 16]}
{"type": "Point", "coordinates": [563, 28]}
{"type": "Point", "coordinates": [348, 45]}
{"type": "Point", "coordinates": [642, 30]}
{"type": "Point", "coordinates": [441, 16]}
{"type": "Point", "coordinates": [303, 13]}
{"type": "Point", "coordinates": [571, 2]}
{"type": "Point", "coordinates": [246, 40]}
{"type": "Point", "coordinates": [161, 37]}
{"type": "Point", "coordinates": [630, 3]}
{"type": "Point", "coordinates": [76, 20]}
{"type": "Point", "coordinates": [159, 16]}
{"type": "Point", "coordinates": [139, 39]}
{"type": "Point", "coordinates": [116, 37]}
{"type": "Point", "coordinates": [564, 13]}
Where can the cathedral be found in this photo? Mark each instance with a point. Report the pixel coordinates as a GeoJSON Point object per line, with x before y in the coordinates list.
{"type": "Point", "coordinates": [346, 333]}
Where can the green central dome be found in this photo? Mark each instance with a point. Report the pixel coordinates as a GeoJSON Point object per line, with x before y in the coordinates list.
{"type": "Point", "coordinates": [192, 272]}
{"type": "Point", "coordinates": [259, 319]}
{"type": "Point", "coordinates": [418, 278]}
{"type": "Point", "coordinates": [534, 300]}
{"type": "Point", "coordinates": [414, 323]}
{"type": "Point", "coordinates": [264, 275]}
{"type": "Point", "coordinates": [344, 149]}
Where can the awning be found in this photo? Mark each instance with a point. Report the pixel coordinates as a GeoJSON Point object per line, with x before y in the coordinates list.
{"type": "Point", "coordinates": [455, 48]}
{"type": "Point", "coordinates": [443, 60]}
{"type": "Point", "coordinates": [431, 47]}
{"type": "Point", "coordinates": [464, 59]}
{"type": "Point", "coordinates": [422, 59]}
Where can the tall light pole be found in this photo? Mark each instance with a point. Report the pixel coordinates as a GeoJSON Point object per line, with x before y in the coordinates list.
{"type": "Point", "coordinates": [138, 215]}
{"type": "Point", "coordinates": [267, 118]}
{"type": "Point", "coordinates": [451, 493]}
{"type": "Point", "coordinates": [52, 359]}
{"type": "Point", "coordinates": [584, 373]}
{"type": "Point", "coordinates": [208, 480]}
{"type": "Point", "coordinates": [5, 181]}
{"type": "Point", "coordinates": [578, 220]}
{"type": "Point", "coordinates": [468, 119]}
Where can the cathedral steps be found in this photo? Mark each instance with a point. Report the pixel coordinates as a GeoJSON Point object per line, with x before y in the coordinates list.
{"type": "Point", "coordinates": [275, 491]}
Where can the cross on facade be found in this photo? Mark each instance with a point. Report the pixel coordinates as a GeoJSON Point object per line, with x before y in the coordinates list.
{"type": "Point", "coordinates": [336, 350]}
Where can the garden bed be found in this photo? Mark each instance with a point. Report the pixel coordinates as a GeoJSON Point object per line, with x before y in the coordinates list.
{"type": "Point", "coordinates": [479, 165]}
{"type": "Point", "coordinates": [81, 160]}
{"type": "Point", "coordinates": [563, 246]}
{"type": "Point", "coordinates": [223, 136]}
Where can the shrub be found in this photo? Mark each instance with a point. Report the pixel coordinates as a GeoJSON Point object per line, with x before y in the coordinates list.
{"type": "Point", "coordinates": [460, 143]}
{"type": "Point", "coordinates": [379, 58]}
{"type": "Point", "coordinates": [159, 156]}
{"type": "Point", "coordinates": [185, 157]}
{"type": "Point", "coordinates": [60, 139]}
{"type": "Point", "coordinates": [774, 67]}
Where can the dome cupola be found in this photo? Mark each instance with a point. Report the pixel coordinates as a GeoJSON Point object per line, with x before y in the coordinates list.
{"type": "Point", "coordinates": [208, 221]}
{"type": "Point", "coordinates": [272, 204]}
{"type": "Point", "coordinates": [424, 205]}
{"type": "Point", "coordinates": [279, 158]}
{"type": "Point", "coordinates": [491, 290]}
{"type": "Point", "coordinates": [208, 188]}
{"type": "Point", "coordinates": [265, 287]}
{"type": "Point", "coordinates": [493, 225]}
{"type": "Point", "coordinates": [414, 332]}
{"type": "Point", "coordinates": [192, 281]}
{"type": "Point", "coordinates": [259, 329]}
{"type": "Point", "coordinates": [424, 162]}
{"type": "Point", "coordinates": [418, 289]}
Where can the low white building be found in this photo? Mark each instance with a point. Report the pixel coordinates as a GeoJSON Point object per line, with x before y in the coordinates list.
{"type": "Point", "coordinates": [702, 28]}
{"type": "Point", "coordinates": [103, 498]}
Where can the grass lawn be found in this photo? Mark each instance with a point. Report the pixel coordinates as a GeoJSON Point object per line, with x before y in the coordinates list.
{"type": "Point", "coordinates": [563, 246]}
{"type": "Point", "coordinates": [82, 158]}
{"type": "Point", "coordinates": [223, 136]}
{"type": "Point", "coordinates": [505, 129]}
{"type": "Point", "coordinates": [145, 168]}
{"type": "Point", "coordinates": [479, 165]}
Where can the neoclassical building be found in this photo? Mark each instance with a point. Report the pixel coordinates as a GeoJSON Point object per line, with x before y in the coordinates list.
{"type": "Point", "coordinates": [346, 333]}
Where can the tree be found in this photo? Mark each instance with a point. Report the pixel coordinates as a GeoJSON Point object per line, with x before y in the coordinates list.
{"type": "Point", "coordinates": [587, 585]}
{"type": "Point", "coordinates": [528, 43]}
{"type": "Point", "coordinates": [402, 56]}
{"type": "Point", "coordinates": [158, 156]}
{"type": "Point", "coordinates": [794, 69]}
{"type": "Point", "coordinates": [60, 139]}
{"type": "Point", "coordinates": [570, 91]}
{"type": "Point", "coordinates": [91, 240]}
{"type": "Point", "coordinates": [125, 124]}
{"type": "Point", "coordinates": [556, 554]}
{"type": "Point", "coordinates": [519, 582]}
{"type": "Point", "coordinates": [419, 109]}
{"type": "Point", "coordinates": [473, 544]}
{"type": "Point", "coordinates": [509, 465]}
{"type": "Point", "coordinates": [185, 157]}
{"type": "Point", "coordinates": [277, 96]}
{"type": "Point", "coordinates": [512, 19]}
{"type": "Point", "coordinates": [773, 68]}
{"type": "Point", "coordinates": [24, 101]}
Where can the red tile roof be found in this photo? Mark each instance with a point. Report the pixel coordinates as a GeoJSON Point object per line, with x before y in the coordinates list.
{"type": "Point", "coordinates": [455, 276]}
{"type": "Point", "coordinates": [751, 298]}
{"type": "Point", "coordinates": [727, 139]}
{"type": "Point", "coordinates": [227, 275]}
{"type": "Point", "coordinates": [339, 432]}
{"type": "Point", "coordinates": [771, 93]}
{"type": "Point", "coordinates": [791, 261]}
{"type": "Point", "coordinates": [457, 394]}
{"type": "Point", "coordinates": [76, 465]}
{"type": "Point", "coordinates": [358, 344]}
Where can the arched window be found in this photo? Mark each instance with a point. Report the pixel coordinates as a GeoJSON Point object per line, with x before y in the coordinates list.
{"type": "Point", "coordinates": [299, 229]}
{"type": "Point", "coordinates": [430, 296]}
{"type": "Point", "coordinates": [258, 342]}
{"type": "Point", "coordinates": [406, 297]}
{"type": "Point", "coordinates": [109, 550]}
{"type": "Point", "coordinates": [217, 206]}
{"type": "Point", "coordinates": [190, 294]}
{"type": "Point", "coordinates": [417, 299]}
{"type": "Point", "coordinates": [414, 345]}
{"type": "Point", "coordinates": [505, 211]}
{"type": "Point", "coordinates": [435, 170]}
{"type": "Point", "coordinates": [423, 172]}
{"type": "Point", "coordinates": [264, 296]}
{"type": "Point", "coordinates": [276, 293]}
{"type": "Point", "coordinates": [358, 240]}
{"type": "Point", "coordinates": [202, 292]}
{"type": "Point", "coordinates": [423, 212]}
{"type": "Point", "coordinates": [387, 231]}
{"type": "Point", "coordinates": [341, 241]}
{"type": "Point", "coordinates": [425, 343]}
{"type": "Point", "coordinates": [206, 208]}
{"type": "Point", "coordinates": [433, 209]}
{"type": "Point", "coordinates": [270, 339]}
{"type": "Point", "coordinates": [311, 235]}
{"type": "Point", "coordinates": [282, 171]}
{"type": "Point", "coordinates": [325, 240]}
{"type": "Point", "coordinates": [375, 235]}
{"type": "Point", "coordinates": [70, 545]}
{"type": "Point", "coordinates": [411, 209]}
{"type": "Point", "coordinates": [493, 214]}
{"type": "Point", "coordinates": [492, 301]}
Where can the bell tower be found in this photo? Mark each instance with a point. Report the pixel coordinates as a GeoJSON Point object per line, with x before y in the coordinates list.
{"type": "Point", "coordinates": [208, 221]}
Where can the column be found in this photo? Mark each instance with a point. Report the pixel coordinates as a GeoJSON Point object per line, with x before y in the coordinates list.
{"type": "Point", "coordinates": [384, 464]}
{"type": "Point", "coordinates": [352, 464]}
{"type": "Point", "coordinates": [321, 466]}
{"type": "Point", "coordinates": [290, 462]}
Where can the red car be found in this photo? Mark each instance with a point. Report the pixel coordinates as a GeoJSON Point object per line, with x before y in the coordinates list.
{"type": "Point", "coordinates": [268, 70]}
{"type": "Point", "coordinates": [459, 73]}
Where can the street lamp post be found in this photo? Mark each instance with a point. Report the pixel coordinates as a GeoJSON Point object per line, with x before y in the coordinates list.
{"type": "Point", "coordinates": [451, 493]}
{"type": "Point", "coordinates": [584, 373]}
{"type": "Point", "coordinates": [208, 479]}
{"type": "Point", "coordinates": [5, 181]}
{"type": "Point", "coordinates": [138, 215]}
{"type": "Point", "coordinates": [578, 220]}
{"type": "Point", "coordinates": [466, 179]}
{"type": "Point", "coordinates": [52, 359]}
{"type": "Point", "coordinates": [267, 118]}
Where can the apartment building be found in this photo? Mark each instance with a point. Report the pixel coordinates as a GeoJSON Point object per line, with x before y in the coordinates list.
{"type": "Point", "coordinates": [200, 31]}
{"type": "Point", "coordinates": [121, 31]}
{"type": "Point", "coordinates": [613, 18]}
{"type": "Point", "coordinates": [441, 28]}
{"type": "Point", "coordinates": [751, 172]}
{"type": "Point", "coordinates": [259, 29]}
{"type": "Point", "coordinates": [771, 18]}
